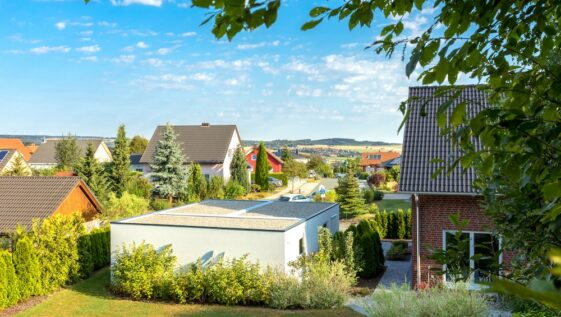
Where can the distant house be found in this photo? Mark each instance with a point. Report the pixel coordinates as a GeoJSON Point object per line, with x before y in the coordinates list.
{"type": "Point", "coordinates": [23, 199]}
{"type": "Point", "coordinates": [8, 159]}
{"type": "Point", "coordinates": [435, 199]}
{"type": "Point", "coordinates": [15, 144]}
{"type": "Point", "coordinates": [274, 233]}
{"type": "Point", "coordinates": [275, 162]}
{"type": "Point", "coordinates": [45, 156]}
{"type": "Point", "coordinates": [391, 163]}
{"type": "Point", "coordinates": [136, 166]}
{"type": "Point", "coordinates": [374, 161]}
{"type": "Point", "coordinates": [211, 146]}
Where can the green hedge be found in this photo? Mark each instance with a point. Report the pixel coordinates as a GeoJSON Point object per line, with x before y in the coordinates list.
{"type": "Point", "coordinates": [370, 254]}
{"type": "Point", "coordinates": [393, 225]}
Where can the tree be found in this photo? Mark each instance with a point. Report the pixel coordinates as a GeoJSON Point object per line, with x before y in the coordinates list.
{"type": "Point", "coordinates": [120, 166]}
{"type": "Point", "coordinates": [138, 144]}
{"type": "Point", "coordinates": [168, 170]}
{"type": "Point", "coordinates": [27, 267]}
{"type": "Point", "coordinates": [293, 169]}
{"type": "Point", "coordinates": [196, 183]}
{"type": "Point", "coordinates": [238, 168]}
{"type": "Point", "coordinates": [262, 168]}
{"type": "Point", "coordinates": [93, 174]}
{"type": "Point", "coordinates": [349, 197]}
{"type": "Point", "coordinates": [285, 154]}
{"type": "Point", "coordinates": [67, 152]}
{"type": "Point", "coordinates": [317, 164]}
{"type": "Point", "coordinates": [18, 168]}
{"type": "Point", "coordinates": [215, 188]}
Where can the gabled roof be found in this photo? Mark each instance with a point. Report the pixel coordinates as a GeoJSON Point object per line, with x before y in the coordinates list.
{"type": "Point", "coordinates": [135, 158]}
{"type": "Point", "coordinates": [200, 143]}
{"type": "Point", "coordinates": [422, 143]}
{"type": "Point", "coordinates": [15, 144]}
{"type": "Point", "coordinates": [392, 162]}
{"type": "Point", "coordinates": [5, 157]}
{"type": "Point", "coordinates": [46, 153]}
{"type": "Point", "coordinates": [384, 156]}
{"type": "Point", "coordinates": [273, 155]}
{"type": "Point", "coordinates": [24, 198]}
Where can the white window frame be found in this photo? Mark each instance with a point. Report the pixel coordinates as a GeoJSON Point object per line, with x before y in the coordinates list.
{"type": "Point", "coordinates": [473, 284]}
{"type": "Point", "coordinates": [253, 157]}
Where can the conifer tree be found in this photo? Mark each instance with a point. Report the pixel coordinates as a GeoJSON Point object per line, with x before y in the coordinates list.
{"type": "Point", "coordinates": [401, 224]}
{"type": "Point", "coordinates": [67, 152]}
{"type": "Point", "coordinates": [9, 284]}
{"type": "Point", "coordinates": [168, 171]}
{"type": "Point", "coordinates": [27, 267]}
{"type": "Point", "coordinates": [350, 199]}
{"type": "Point", "coordinates": [93, 174]}
{"type": "Point", "coordinates": [262, 168]}
{"type": "Point", "coordinates": [196, 183]}
{"type": "Point", "coordinates": [120, 166]}
{"type": "Point", "coordinates": [238, 169]}
{"type": "Point", "coordinates": [18, 168]}
{"type": "Point", "coordinates": [285, 154]}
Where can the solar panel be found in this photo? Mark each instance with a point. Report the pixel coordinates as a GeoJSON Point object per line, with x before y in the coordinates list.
{"type": "Point", "coordinates": [3, 154]}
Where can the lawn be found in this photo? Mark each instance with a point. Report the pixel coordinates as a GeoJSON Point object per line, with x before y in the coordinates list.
{"type": "Point", "coordinates": [393, 204]}
{"type": "Point", "coordinates": [91, 298]}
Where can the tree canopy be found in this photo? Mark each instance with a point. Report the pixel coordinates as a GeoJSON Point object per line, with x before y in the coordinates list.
{"type": "Point", "coordinates": [262, 168]}
{"type": "Point", "coordinates": [138, 144]}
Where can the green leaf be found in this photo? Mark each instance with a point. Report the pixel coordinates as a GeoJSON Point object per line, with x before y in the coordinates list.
{"type": "Point", "coordinates": [201, 3]}
{"type": "Point", "coordinates": [310, 24]}
{"type": "Point", "coordinates": [551, 190]}
{"type": "Point", "coordinates": [410, 67]}
{"type": "Point", "coordinates": [398, 28]}
{"type": "Point", "coordinates": [458, 114]}
{"type": "Point", "coordinates": [317, 11]}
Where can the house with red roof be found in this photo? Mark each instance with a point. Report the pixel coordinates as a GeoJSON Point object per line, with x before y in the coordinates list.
{"type": "Point", "coordinates": [15, 144]}
{"type": "Point", "coordinates": [376, 161]}
{"type": "Point", "coordinates": [275, 162]}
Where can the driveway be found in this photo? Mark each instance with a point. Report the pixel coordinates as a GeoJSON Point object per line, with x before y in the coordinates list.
{"type": "Point", "coordinates": [397, 272]}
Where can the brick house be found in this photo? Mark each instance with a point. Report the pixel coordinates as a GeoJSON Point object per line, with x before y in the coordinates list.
{"type": "Point", "coordinates": [435, 199]}
{"type": "Point", "coordinates": [275, 162]}
{"type": "Point", "coordinates": [376, 161]}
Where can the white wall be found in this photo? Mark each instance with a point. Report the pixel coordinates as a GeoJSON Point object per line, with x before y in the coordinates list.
{"type": "Point", "coordinates": [189, 243]}
{"type": "Point", "coordinates": [102, 154]}
{"type": "Point", "coordinates": [234, 143]}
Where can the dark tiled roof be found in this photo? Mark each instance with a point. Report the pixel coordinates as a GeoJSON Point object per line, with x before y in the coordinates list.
{"type": "Point", "coordinates": [200, 144]}
{"type": "Point", "coordinates": [25, 198]}
{"type": "Point", "coordinates": [46, 153]}
{"type": "Point", "coordinates": [392, 162]}
{"type": "Point", "coordinates": [135, 158]}
{"type": "Point", "coordinates": [422, 143]}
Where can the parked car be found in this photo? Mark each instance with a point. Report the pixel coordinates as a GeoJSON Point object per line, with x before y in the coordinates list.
{"type": "Point", "coordinates": [274, 181]}
{"type": "Point", "coordinates": [295, 198]}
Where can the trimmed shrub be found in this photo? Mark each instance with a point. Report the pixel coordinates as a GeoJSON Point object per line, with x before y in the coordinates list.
{"type": "Point", "coordinates": [397, 252]}
{"type": "Point", "coordinates": [233, 190]}
{"type": "Point", "coordinates": [85, 256]}
{"type": "Point", "coordinates": [139, 185]}
{"type": "Point", "coordinates": [142, 272]}
{"type": "Point", "coordinates": [377, 195]}
{"type": "Point", "coordinates": [401, 224]}
{"type": "Point", "coordinates": [368, 195]}
{"type": "Point", "coordinates": [372, 254]}
{"type": "Point", "coordinates": [127, 205]}
{"type": "Point", "coordinates": [392, 226]}
{"type": "Point", "coordinates": [363, 175]}
{"type": "Point", "coordinates": [330, 197]}
{"type": "Point", "coordinates": [215, 188]}
{"type": "Point", "coordinates": [408, 224]}
{"type": "Point", "coordinates": [9, 284]}
{"type": "Point", "coordinates": [27, 267]}
{"type": "Point", "coordinates": [100, 249]}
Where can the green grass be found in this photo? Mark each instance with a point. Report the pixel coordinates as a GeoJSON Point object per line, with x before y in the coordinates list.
{"type": "Point", "coordinates": [393, 204]}
{"type": "Point", "coordinates": [91, 298]}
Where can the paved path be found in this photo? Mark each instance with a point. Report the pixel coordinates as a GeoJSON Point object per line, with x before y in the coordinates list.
{"type": "Point", "coordinates": [398, 272]}
{"type": "Point", "coordinates": [300, 187]}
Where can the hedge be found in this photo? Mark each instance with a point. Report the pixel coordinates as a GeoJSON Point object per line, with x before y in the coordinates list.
{"type": "Point", "coordinates": [393, 224]}
{"type": "Point", "coordinates": [54, 253]}
{"type": "Point", "coordinates": [370, 254]}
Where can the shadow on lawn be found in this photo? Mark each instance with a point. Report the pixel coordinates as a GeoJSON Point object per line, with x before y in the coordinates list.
{"type": "Point", "coordinates": [97, 285]}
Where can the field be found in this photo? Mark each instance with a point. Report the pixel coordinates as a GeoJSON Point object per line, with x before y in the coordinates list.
{"type": "Point", "coordinates": [91, 298]}
{"type": "Point", "coordinates": [356, 148]}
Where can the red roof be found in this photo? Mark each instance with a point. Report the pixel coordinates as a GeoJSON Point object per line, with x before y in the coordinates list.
{"type": "Point", "coordinates": [375, 158]}
{"type": "Point", "coordinates": [15, 144]}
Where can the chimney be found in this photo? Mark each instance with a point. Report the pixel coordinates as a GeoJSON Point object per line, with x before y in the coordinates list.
{"type": "Point", "coordinates": [205, 124]}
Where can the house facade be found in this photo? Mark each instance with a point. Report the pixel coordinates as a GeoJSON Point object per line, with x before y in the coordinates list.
{"type": "Point", "coordinates": [9, 158]}
{"type": "Point", "coordinates": [25, 198]}
{"type": "Point", "coordinates": [275, 162]}
{"type": "Point", "coordinates": [210, 146]}
{"type": "Point", "coordinates": [45, 156]}
{"type": "Point", "coordinates": [377, 161]}
{"type": "Point", "coordinates": [434, 200]}
{"type": "Point", "coordinates": [271, 232]}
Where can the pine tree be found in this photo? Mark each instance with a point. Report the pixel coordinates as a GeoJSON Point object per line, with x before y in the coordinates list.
{"type": "Point", "coordinates": [285, 154]}
{"type": "Point", "coordinates": [196, 183]}
{"type": "Point", "coordinates": [18, 168]}
{"type": "Point", "coordinates": [93, 174]}
{"type": "Point", "coordinates": [168, 171]}
{"type": "Point", "coordinates": [120, 167]}
{"type": "Point", "coordinates": [351, 201]}
{"type": "Point", "coordinates": [238, 169]}
{"type": "Point", "coordinates": [67, 152]}
{"type": "Point", "coordinates": [262, 168]}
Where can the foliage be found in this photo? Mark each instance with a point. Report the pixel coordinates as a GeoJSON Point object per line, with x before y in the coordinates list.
{"type": "Point", "coordinates": [401, 224]}
{"type": "Point", "coordinates": [293, 169]}
{"type": "Point", "coordinates": [371, 195]}
{"type": "Point", "coordinates": [262, 168]}
{"type": "Point", "coordinates": [376, 180]}
{"type": "Point", "coordinates": [138, 144]}
{"type": "Point", "coordinates": [93, 174]}
{"type": "Point", "coordinates": [215, 189]}
{"type": "Point", "coordinates": [120, 165]}
{"type": "Point", "coordinates": [330, 197]}
{"type": "Point", "coordinates": [139, 185]}
{"type": "Point", "coordinates": [438, 302]}
{"type": "Point", "coordinates": [238, 168]}
{"type": "Point", "coordinates": [196, 183]}
{"type": "Point", "coordinates": [317, 164]}
{"type": "Point", "coordinates": [9, 283]}
{"type": "Point", "coordinates": [18, 167]}
{"type": "Point", "coordinates": [408, 223]}
{"type": "Point", "coordinates": [160, 204]}
{"type": "Point", "coordinates": [343, 250]}
{"type": "Point", "coordinates": [44, 171]}
{"type": "Point", "coordinates": [67, 152]}
{"type": "Point", "coordinates": [368, 240]}
{"type": "Point", "coordinates": [285, 154]}
{"type": "Point", "coordinates": [233, 190]}
{"type": "Point", "coordinates": [140, 271]}
{"type": "Point", "coordinates": [393, 173]}
{"type": "Point", "coordinates": [350, 200]}
{"type": "Point", "coordinates": [363, 175]}
{"type": "Point", "coordinates": [168, 171]}
{"type": "Point", "coordinates": [127, 205]}
{"type": "Point", "coordinates": [397, 252]}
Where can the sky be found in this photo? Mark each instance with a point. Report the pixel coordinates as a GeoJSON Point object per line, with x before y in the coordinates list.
{"type": "Point", "coordinates": [66, 67]}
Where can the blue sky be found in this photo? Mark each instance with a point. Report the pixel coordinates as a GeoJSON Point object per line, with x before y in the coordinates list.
{"type": "Point", "coordinates": [66, 67]}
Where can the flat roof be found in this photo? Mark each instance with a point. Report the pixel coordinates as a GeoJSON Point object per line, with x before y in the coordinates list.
{"type": "Point", "coordinates": [234, 214]}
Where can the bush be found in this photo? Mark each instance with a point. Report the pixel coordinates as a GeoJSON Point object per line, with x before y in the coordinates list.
{"type": "Point", "coordinates": [368, 241]}
{"type": "Point", "coordinates": [280, 176]}
{"type": "Point", "coordinates": [141, 272]}
{"type": "Point", "coordinates": [160, 204]}
{"type": "Point", "coordinates": [9, 284]}
{"type": "Point", "coordinates": [139, 185]}
{"type": "Point", "coordinates": [368, 195]}
{"type": "Point", "coordinates": [377, 195]}
{"type": "Point", "coordinates": [408, 224]}
{"type": "Point", "coordinates": [397, 252]}
{"type": "Point", "coordinates": [401, 224]}
{"type": "Point", "coordinates": [436, 302]}
{"type": "Point", "coordinates": [215, 188]}
{"type": "Point", "coordinates": [363, 175]}
{"type": "Point", "coordinates": [127, 205]}
{"type": "Point", "coordinates": [376, 179]}
{"type": "Point", "coordinates": [284, 292]}
{"type": "Point", "coordinates": [27, 267]}
{"type": "Point", "coordinates": [330, 197]}
{"type": "Point", "coordinates": [233, 190]}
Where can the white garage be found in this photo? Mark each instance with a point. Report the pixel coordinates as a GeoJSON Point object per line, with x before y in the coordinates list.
{"type": "Point", "coordinates": [271, 232]}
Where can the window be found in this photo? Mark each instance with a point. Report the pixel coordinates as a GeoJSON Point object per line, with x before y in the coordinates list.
{"type": "Point", "coordinates": [253, 157]}
{"type": "Point", "coordinates": [301, 247]}
{"type": "Point", "coordinates": [325, 224]}
{"type": "Point", "coordinates": [374, 156]}
{"type": "Point", "coordinates": [484, 243]}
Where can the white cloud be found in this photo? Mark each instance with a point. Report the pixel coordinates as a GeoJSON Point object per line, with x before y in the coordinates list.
{"type": "Point", "coordinates": [188, 34]}
{"type": "Point", "coordinates": [124, 59]}
{"type": "Point", "coordinates": [202, 77]}
{"type": "Point", "coordinates": [141, 45]}
{"type": "Point", "coordinates": [86, 33]}
{"type": "Point", "coordinates": [163, 51]}
{"type": "Point", "coordinates": [249, 46]}
{"type": "Point", "coordinates": [49, 49]}
{"type": "Point", "coordinates": [349, 45]}
{"type": "Point", "coordinates": [131, 48]}
{"type": "Point", "coordinates": [154, 62]}
{"type": "Point", "coordinates": [89, 49]}
{"type": "Point", "coordinates": [107, 24]}
{"type": "Point", "coordinates": [154, 3]}
{"type": "Point", "coordinates": [60, 25]}
{"type": "Point", "coordinates": [89, 58]}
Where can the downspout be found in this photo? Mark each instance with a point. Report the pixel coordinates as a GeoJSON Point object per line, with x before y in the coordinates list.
{"type": "Point", "coordinates": [417, 236]}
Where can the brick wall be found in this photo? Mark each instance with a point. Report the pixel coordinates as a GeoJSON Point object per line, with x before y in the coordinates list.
{"type": "Point", "coordinates": [434, 218]}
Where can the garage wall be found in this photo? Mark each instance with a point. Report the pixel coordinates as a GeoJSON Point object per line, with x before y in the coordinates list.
{"type": "Point", "coordinates": [189, 244]}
